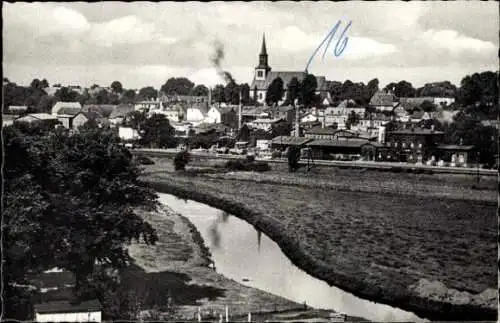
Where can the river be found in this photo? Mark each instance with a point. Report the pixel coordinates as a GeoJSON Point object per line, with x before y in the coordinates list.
{"type": "Point", "coordinates": [246, 255]}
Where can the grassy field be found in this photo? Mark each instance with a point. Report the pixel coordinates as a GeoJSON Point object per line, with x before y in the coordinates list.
{"type": "Point", "coordinates": [381, 236]}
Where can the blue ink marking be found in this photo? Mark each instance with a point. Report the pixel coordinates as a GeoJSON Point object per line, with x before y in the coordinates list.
{"type": "Point", "coordinates": [338, 50]}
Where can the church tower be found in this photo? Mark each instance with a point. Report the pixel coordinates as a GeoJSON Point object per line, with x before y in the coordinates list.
{"type": "Point", "coordinates": [263, 68]}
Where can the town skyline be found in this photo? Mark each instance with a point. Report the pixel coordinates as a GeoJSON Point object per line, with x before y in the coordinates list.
{"type": "Point", "coordinates": [98, 43]}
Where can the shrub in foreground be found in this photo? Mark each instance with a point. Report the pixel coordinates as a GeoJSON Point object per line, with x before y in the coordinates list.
{"type": "Point", "coordinates": [239, 165]}
{"type": "Point", "coordinates": [181, 160]}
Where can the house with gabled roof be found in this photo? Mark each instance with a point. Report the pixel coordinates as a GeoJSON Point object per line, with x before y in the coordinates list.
{"type": "Point", "coordinates": [225, 115]}
{"type": "Point", "coordinates": [69, 108]}
{"type": "Point", "coordinates": [103, 109]}
{"type": "Point", "coordinates": [119, 113]}
{"type": "Point", "coordinates": [44, 118]}
{"type": "Point", "coordinates": [196, 112]}
{"type": "Point", "coordinates": [383, 101]}
{"type": "Point", "coordinates": [263, 77]}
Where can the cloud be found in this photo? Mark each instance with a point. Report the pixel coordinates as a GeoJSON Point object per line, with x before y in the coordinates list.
{"type": "Point", "coordinates": [127, 30]}
{"type": "Point", "coordinates": [45, 19]}
{"type": "Point", "coordinates": [455, 42]}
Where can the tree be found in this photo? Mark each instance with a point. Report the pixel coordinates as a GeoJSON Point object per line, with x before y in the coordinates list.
{"type": "Point", "coordinates": [352, 120]}
{"type": "Point", "coordinates": [135, 119]}
{"type": "Point", "coordinates": [103, 97]}
{"type": "Point", "coordinates": [68, 203]}
{"type": "Point", "coordinates": [335, 90]}
{"type": "Point", "coordinates": [371, 89]}
{"type": "Point", "coordinates": [404, 89]}
{"type": "Point", "coordinates": [468, 130]}
{"type": "Point", "coordinates": [245, 93]}
{"type": "Point", "coordinates": [480, 89]}
{"type": "Point", "coordinates": [428, 106]}
{"type": "Point", "coordinates": [231, 93]}
{"type": "Point", "coordinates": [275, 91]}
{"type": "Point", "coordinates": [45, 84]}
{"type": "Point", "coordinates": [45, 104]}
{"type": "Point", "coordinates": [181, 160]}
{"type": "Point", "coordinates": [65, 94]}
{"type": "Point", "coordinates": [199, 90]}
{"type": "Point", "coordinates": [157, 132]}
{"type": "Point", "coordinates": [218, 94]}
{"type": "Point", "coordinates": [244, 133]}
{"type": "Point", "coordinates": [438, 89]}
{"type": "Point", "coordinates": [177, 85]}
{"type": "Point", "coordinates": [36, 84]}
{"type": "Point", "coordinates": [308, 90]}
{"type": "Point", "coordinates": [147, 93]}
{"type": "Point", "coordinates": [128, 96]}
{"type": "Point", "coordinates": [292, 92]}
{"type": "Point", "coordinates": [117, 87]}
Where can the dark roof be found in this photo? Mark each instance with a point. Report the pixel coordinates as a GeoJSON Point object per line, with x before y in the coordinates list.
{"type": "Point", "coordinates": [223, 110]}
{"type": "Point", "coordinates": [321, 131]}
{"type": "Point", "coordinates": [92, 115]}
{"type": "Point", "coordinates": [286, 76]}
{"type": "Point", "coordinates": [103, 109]}
{"type": "Point", "coordinates": [381, 98]}
{"type": "Point", "coordinates": [418, 131]}
{"type": "Point", "coordinates": [417, 114]}
{"type": "Point", "coordinates": [121, 110]}
{"type": "Point", "coordinates": [69, 110]}
{"type": "Point", "coordinates": [455, 147]}
{"type": "Point", "coordinates": [339, 143]}
{"type": "Point", "coordinates": [288, 140]}
{"type": "Point", "coordinates": [67, 307]}
{"type": "Point", "coordinates": [374, 143]}
{"type": "Point", "coordinates": [53, 279]}
{"type": "Point", "coordinates": [253, 111]}
{"type": "Point", "coordinates": [280, 109]}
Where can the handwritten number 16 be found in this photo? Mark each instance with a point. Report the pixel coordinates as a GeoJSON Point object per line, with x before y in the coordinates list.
{"type": "Point", "coordinates": [339, 47]}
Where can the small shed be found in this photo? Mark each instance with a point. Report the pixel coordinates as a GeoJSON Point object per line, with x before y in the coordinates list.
{"type": "Point", "coordinates": [67, 311]}
{"type": "Point", "coordinates": [456, 155]}
{"type": "Point", "coordinates": [345, 149]}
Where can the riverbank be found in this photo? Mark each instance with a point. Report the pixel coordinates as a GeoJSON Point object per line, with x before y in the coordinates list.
{"type": "Point", "coordinates": [348, 239]}
{"type": "Point", "coordinates": [178, 267]}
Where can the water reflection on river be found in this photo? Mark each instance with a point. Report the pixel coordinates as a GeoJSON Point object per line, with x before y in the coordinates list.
{"type": "Point", "coordinates": [240, 252]}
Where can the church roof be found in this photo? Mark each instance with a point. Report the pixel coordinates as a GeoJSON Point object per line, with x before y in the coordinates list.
{"type": "Point", "coordinates": [287, 76]}
{"type": "Point", "coordinates": [263, 50]}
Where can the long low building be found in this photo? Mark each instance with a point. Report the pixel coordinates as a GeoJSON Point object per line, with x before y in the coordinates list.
{"type": "Point", "coordinates": [347, 148]}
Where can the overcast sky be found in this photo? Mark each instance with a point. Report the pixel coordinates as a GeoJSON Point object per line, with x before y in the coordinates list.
{"type": "Point", "coordinates": [143, 43]}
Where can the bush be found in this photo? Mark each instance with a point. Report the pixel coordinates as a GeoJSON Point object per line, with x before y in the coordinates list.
{"type": "Point", "coordinates": [181, 160]}
{"type": "Point", "coordinates": [239, 165]}
{"type": "Point", "coordinates": [142, 160]}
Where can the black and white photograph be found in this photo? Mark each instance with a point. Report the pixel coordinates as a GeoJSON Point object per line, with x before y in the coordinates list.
{"type": "Point", "coordinates": [286, 161]}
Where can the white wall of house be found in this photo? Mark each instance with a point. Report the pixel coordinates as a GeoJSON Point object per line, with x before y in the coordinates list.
{"type": "Point", "coordinates": [69, 317]}
{"type": "Point", "coordinates": [127, 133]}
{"type": "Point", "coordinates": [340, 120]}
{"type": "Point", "coordinates": [213, 116]}
{"type": "Point", "coordinates": [79, 120]}
{"type": "Point", "coordinates": [263, 124]}
{"type": "Point", "coordinates": [65, 121]}
{"type": "Point", "coordinates": [309, 118]}
{"type": "Point", "coordinates": [194, 115]}
{"type": "Point", "coordinates": [447, 101]}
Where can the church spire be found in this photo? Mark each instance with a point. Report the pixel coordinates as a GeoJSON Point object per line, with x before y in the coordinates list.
{"type": "Point", "coordinates": [263, 50]}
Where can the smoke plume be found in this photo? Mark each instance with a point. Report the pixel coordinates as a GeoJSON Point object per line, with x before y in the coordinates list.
{"type": "Point", "coordinates": [217, 59]}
